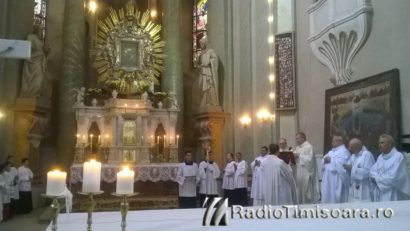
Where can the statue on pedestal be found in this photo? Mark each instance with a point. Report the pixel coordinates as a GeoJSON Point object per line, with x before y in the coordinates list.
{"type": "Point", "coordinates": [208, 75]}
{"type": "Point", "coordinates": [34, 80]}
{"type": "Point", "coordinates": [80, 93]}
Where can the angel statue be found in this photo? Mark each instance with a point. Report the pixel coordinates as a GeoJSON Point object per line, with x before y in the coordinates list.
{"type": "Point", "coordinates": [79, 94]}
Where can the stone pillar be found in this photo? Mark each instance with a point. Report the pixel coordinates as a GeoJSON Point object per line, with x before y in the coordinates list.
{"type": "Point", "coordinates": [72, 76]}
{"type": "Point", "coordinates": [172, 78]}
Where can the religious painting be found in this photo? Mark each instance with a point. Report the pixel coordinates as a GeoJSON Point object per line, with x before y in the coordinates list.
{"type": "Point", "coordinates": [364, 109]}
{"type": "Point", "coordinates": [130, 54]}
{"type": "Point", "coordinates": [285, 93]}
{"type": "Point", "coordinates": [129, 132]}
{"type": "Point", "coordinates": [128, 156]}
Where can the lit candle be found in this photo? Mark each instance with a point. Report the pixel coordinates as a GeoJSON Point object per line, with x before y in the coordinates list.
{"type": "Point", "coordinates": [55, 182]}
{"type": "Point", "coordinates": [177, 140]}
{"type": "Point", "coordinates": [91, 176]}
{"type": "Point", "coordinates": [99, 139]}
{"type": "Point", "coordinates": [125, 181]}
{"type": "Point", "coordinates": [165, 140]}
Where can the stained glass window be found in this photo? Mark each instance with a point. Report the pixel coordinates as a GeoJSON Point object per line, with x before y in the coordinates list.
{"type": "Point", "coordinates": [200, 13]}
{"type": "Point", "coordinates": [40, 12]}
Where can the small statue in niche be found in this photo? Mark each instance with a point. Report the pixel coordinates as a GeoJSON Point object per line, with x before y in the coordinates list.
{"type": "Point", "coordinates": [145, 96]}
{"type": "Point", "coordinates": [80, 93]}
{"type": "Point", "coordinates": [114, 94]}
{"type": "Point", "coordinates": [159, 105]}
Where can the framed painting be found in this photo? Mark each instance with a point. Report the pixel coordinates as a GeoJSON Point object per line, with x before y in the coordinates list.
{"type": "Point", "coordinates": [129, 132]}
{"type": "Point", "coordinates": [364, 109]}
{"type": "Point", "coordinates": [285, 93]}
{"type": "Point", "coordinates": [130, 53]}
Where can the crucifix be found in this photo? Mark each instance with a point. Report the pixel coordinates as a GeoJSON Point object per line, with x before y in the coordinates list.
{"type": "Point", "coordinates": [15, 49]}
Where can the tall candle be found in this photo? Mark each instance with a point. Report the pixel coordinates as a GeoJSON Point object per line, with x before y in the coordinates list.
{"type": "Point", "coordinates": [125, 181]}
{"type": "Point", "coordinates": [55, 182]}
{"type": "Point", "coordinates": [91, 176]}
{"type": "Point", "coordinates": [177, 140]}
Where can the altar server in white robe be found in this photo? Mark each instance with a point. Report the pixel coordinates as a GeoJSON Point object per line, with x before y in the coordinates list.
{"type": "Point", "coordinates": [279, 187]}
{"type": "Point", "coordinates": [240, 181]}
{"type": "Point", "coordinates": [2, 188]}
{"type": "Point", "coordinates": [207, 175]}
{"type": "Point", "coordinates": [15, 187]}
{"type": "Point", "coordinates": [7, 191]}
{"type": "Point", "coordinates": [359, 167]}
{"type": "Point", "coordinates": [228, 178]}
{"type": "Point", "coordinates": [257, 177]}
{"type": "Point", "coordinates": [186, 178]}
{"type": "Point", "coordinates": [335, 178]}
{"type": "Point", "coordinates": [307, 179]}
{"type": "Point", "coordinates": [390, 173]}
{"type": "Point", "coordinates": [25, 177]}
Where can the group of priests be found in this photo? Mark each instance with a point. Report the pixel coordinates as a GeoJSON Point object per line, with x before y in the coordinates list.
{"type": "Point", "coordinates": [349, 173]}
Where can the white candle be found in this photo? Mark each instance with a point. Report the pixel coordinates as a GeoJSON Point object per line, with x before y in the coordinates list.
{"type": "Point", "coordinates": [125, 181]}
{"type": "Point", "coordinates": [55, 182]}
{"type": "Point", "coordinates": [91, 176]}
{"type": "Point", "coordinates": [177, 140]}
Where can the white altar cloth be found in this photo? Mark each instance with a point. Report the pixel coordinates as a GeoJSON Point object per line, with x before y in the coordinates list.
{"type": "Point", "coordinates": [143, 172]}
{"type": "Point", "coordinates": [191, 219]}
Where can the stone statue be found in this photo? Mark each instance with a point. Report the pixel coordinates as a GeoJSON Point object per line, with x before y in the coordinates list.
{"type": "Point", "coordinates": [114, 94]}
{"type": "Point", "coordinates": [80, 93]}
{"type": "Point", "coordinates": [34, 70]}
{"type": "Point", "coordinates": [208, 78]}
{"type": "Point", "coordinates": [145, 96]}
{"type": "Point", "coordinates": [159, 105]}
{"type": "Point", "coordinates": [174, 103]}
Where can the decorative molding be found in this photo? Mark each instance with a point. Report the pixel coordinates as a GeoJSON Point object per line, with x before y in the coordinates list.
{"type": "Point", "coordinates": [338, 29]}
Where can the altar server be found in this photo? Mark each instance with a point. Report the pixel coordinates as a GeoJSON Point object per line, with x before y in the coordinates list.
{"type": "Point", "coordinates": [279, 187]}
{"type": "Point", "coordinates": [207, 175]}
{"type": "Point", "coordinates": [228, 178]}
{"type": "Point", "coordinates": [390, 173]}
{"type": "Point", "coordinates": [240, 181]}
{"type": "Point", "coordinates": [257, 177]}
{"type": "Point", "coordinates": [359, 167]}
{"type": "Point", "coordinates": [307, 179]}
{"type": "Point", "coordinates": [186, 178]}
{"type": "Point", "coordinates": [335, 178]}
{"type": "Point", "coordinates": [14, 197]}
{"type": "Point", "coordinates": [2, 187]}
{"type": "Point", "coordinates": [7, 191]}
{"type": "Point", "coordinates": [25, 177]}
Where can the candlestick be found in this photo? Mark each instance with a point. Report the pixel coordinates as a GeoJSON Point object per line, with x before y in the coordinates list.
{"type": "Point", "coordinates": [56, 207]}
{"type": "Point", "coordinates": [177, 140]}
{"type": "Point", "coordinates": [124, 206]}
{"type": "Point", "coordinates": [90, 208]}
{"type": "Point", "coordinates": [91, 176]}
{"type": "Point", "coordinates": [56, 182]}
{"type": "Point", "coordinates": [125, 181]}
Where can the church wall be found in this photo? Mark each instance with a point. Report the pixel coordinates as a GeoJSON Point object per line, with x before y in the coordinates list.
{"type": "Point", "coordinates": [385, 49]}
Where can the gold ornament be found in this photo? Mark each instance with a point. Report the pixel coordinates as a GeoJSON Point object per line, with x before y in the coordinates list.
{"type": "Point", "coordinates": [129, 51]}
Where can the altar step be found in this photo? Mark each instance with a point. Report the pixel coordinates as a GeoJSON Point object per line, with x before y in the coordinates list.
{"type": "Point", "coordinates": [111, 203]}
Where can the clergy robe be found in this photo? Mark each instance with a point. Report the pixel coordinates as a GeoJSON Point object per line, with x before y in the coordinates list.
{"type": "Point", "coordinates": [335, 178]}
{"type": "Point", "coordinates": [15, 190]}
{"type": "Point", "coordinates": [279, 187]}
{"type": "Point", "coordinates": [307, 179]}
{"type": "Point", "coordinates": [8, 179]}
{"type": "Point", "coordinates": [241, 184]}
{"type": "Point", "coordinates": [207, 174]}
{"type": "Point", "coordinates": [228, 181]}
{"type": "Point", "coordinates": [25, 177]}
{"type": "Point", "coordinates": [257, 181]}
{"type": "Point", "coordinates": [2, 187]}
{"type": "Point", "coordinates": [186, 178]}
{"type": "Point", "coordinates": [360, 186]}
{"type": "Point", "coordinates": [392, 177]}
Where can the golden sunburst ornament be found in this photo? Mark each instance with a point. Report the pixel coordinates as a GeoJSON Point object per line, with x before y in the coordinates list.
{"type": "Point", "coordinates": [129, 51]}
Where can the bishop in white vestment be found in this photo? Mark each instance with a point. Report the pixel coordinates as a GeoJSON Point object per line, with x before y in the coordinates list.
{"type": "Point", "coordinates": [390, 173]}
{"type": "Point", "coordinates": [335, 178]}
{"type": "Point", "coordinates": [307, 179]}
{"type": "Point", "coordinates": [186, 178]}
{"type": "Point", "coordinates": [257, 177]}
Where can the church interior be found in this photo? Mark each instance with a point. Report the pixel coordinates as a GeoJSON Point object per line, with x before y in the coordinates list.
{"type": "Point", "coordinates": [90, 86]}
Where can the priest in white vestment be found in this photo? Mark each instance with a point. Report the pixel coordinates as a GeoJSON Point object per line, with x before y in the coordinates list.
{"type": "Point", "coordinates": [207, 174]}
{"type": "Point", "coordinates": [335, 178]}
{"type": "Point", "coordinates": [257, 177]}
{"type": "Point", "coordinates": [279, 187]}
{"type": "Point", "coordinates": [228, 178]}
{"type": "Point", "coordinates": [186, 178]}
{"type": "Point", "coordinates": [240, 181]}
{"type": "Point", "coordinates": [307, 179]}
{"type": "Point", "coordinates": [389, 173]}
{"type": "Point", "coordinates": [359, 167]}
